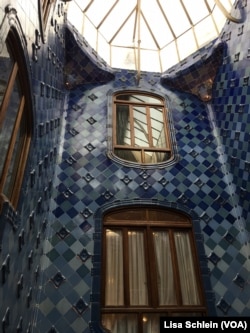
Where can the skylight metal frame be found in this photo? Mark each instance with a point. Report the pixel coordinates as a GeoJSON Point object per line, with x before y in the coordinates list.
{"type": "Point", "coordinates": [140, 11]}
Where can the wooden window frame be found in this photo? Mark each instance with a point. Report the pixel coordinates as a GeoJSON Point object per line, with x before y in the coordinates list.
{"type": "Point", "coordinates": [44, 7]}
{"type": "Point", "coordinates": [148, 226]}
{"type": "Point", "coordinates": [19, 73]}
{"type": "Point", "coordinates": [141, 149]}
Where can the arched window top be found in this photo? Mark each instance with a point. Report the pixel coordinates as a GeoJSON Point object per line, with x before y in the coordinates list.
{"type": "Point", "coordinates": [139, 98]}
{"type": "Point", "coordinates": [141, 129]}
{"type": "Point", "coordinates": [154, 215]}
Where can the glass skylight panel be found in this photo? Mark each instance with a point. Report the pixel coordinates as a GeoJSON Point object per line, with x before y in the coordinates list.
{"type": "Point", "coordinates": [82, 4]}
{"type": "Point", "coordinates": [176, 16]}
{"type": "Point", "coordinates": [219, 19]}
{"type": "Point", "coordinates": [91, 32]}
{"type": "Point", "coordinates": [205, 30]}
{"type": "Point", "coordinates": [156, 22]}
{"type": "Point", "coordinates": [211, 4]}
{"type": "Point", "coordinates": [98, 10]}
{"type": "Point", "coordinates": [125, 36]}
{"type": "Point", "coordinates": [116, 18]}
{"type": "Point", "coordinates": [122, 57]}
{"type": "Point", "coordinates": [147, 39]}
{"type": "Point", "coordinates": [75, 16]}
{"type": "Point", "coordinates": [111, 28]}
{"type": "Point", "coordinates": [103, 48]}
{"type": "Point", "coordinates": [228, 4]}
{"type": "Point", "coordinates": [186, 44]}
{"type": "Point", "coordinates": [196, 9]}
{"type": "Point", "coordinates": [150, 61]}
{"type": "Point", "coordinates": [169, 56]}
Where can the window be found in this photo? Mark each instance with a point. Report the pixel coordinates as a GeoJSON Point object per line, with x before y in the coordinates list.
{"type": "Point", "coordinates": [150, 270]}
{"type": "Point", "coordinates": [46, 4]}
{"type": "Point", "coordinates": [140, 128]}
{"type": "Point", "coordinates": [44, 7]}
{"type": "Point", "coordinates": [15, 119]}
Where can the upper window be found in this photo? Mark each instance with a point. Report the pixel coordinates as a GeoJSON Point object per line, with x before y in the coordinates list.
{"type": "Point", "coordinates": [140, 128]}
{"type": "Point", "coordinates": [15, 119]}
{"type": "Point", "coordinates": [150, 269]}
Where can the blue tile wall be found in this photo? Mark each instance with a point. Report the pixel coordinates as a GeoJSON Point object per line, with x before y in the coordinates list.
{"type": "Point", "coordinates": [22, 232]}
{"type": "Point", "coordinates": [70, 180]}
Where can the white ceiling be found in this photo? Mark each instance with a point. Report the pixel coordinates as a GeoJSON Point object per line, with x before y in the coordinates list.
{"type": "Point", "coordinates": [148, 35]}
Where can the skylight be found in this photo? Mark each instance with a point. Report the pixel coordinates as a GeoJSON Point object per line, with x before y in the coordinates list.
{"type": "Point", "coordinates": [147, 35]}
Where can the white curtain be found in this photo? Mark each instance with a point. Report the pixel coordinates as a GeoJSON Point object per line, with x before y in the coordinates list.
{"type": "Point", "coordinates": [137, 269]}
{"type": "Point", "coordinates": [138, 284]}
{"type": "Point", "coordinates": [151, 323]}
{"type": "Point", "coordinates": [120, 323]}
{"type": "Point", "coordinates": [166, 290]}
{"type": "Point", "coordinates": [114, 293]}
{"type": "Point", "coordinates": [188, 281]}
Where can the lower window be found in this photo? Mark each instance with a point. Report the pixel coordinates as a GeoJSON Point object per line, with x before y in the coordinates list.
{"type": "Point", "coordinates": [150, 268]}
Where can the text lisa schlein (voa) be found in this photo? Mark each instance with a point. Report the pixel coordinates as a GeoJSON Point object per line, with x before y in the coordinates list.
{"type": "Point", "coordinates": [220, 324]}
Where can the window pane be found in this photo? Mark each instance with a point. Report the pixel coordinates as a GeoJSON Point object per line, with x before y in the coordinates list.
{"type": "Point", "coordinates": [8, 123]}
{"type": "Point", "coordinates": [150, 157]}
{"type": "Point", "coordinates": [120, 323]}
{"type": "Point", "coordinates": [165, 276]}
{"type": "Point", "coordinates": [137, 156]}
{"type": "Point", "coordinates": [123, 132]}
{"type": "Point", "coordinates": [10, 179]}
{"type": "Point", "coordinates": [114, 268]}
{"type": "Point", "coordinates": [15, 118]}
{"type": "Point", "coordinates": [15, 160]}
{"type": "Point", "coordinates": [128, 155]}
{"type": "Point", "coordinates": [6, 64]}
{"type": "Point", "coordinates": [140, 127]}
{"type": "Point", "coordinates": [188, 281]}
{"type": "Point", "coordinates": [137, 269]}
{"type": "Point", "coordinates": [156, 157]}
{"type": "Point", "coordinates": [158, 132]}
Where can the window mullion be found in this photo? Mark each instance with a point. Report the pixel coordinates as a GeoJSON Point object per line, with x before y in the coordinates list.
{"type": "Point", "coordinates": [126, 268]}
{"type": "Point", "coordinates": [115, 106]}
{"type": "Point", "coordinates": [167, 134]}
{"type": "Point", "coordinates": [152, 269]}
{"type": "Point", "coordinates": [131, 120]}
{"type": "Point", "coordinates": [149, 126]}
{"type": "Point", "coordinates": [104, 265]}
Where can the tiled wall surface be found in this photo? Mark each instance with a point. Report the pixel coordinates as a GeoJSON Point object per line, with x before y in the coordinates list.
{"type": "Point", "coordinates": [210, 179]}
{"type": "Point", "coordinates": [22, 232]}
